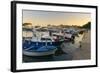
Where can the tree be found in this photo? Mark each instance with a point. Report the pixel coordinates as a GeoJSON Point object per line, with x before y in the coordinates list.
{"type": "Point", "coordinates": [87, 25]}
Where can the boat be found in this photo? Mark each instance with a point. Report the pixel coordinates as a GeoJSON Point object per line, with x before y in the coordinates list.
{"type": "Point", "coordinates": [68, 36]}
{"type": "Point", "coordinates": [64, 36]}
{"type": "Point", "coordinates": [41, 43]}
{"type": "Point", "coordinates": [40, 46]}
{"type": "Point", "coordinates": [38, 50]}
{"type": "Point", "coordinates": [58, 37]}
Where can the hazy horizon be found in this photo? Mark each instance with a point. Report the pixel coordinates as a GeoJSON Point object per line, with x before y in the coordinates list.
{"type": "Point", "coordinates": [43, 18]}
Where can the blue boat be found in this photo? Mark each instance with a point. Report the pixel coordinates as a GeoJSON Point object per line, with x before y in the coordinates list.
{"type": "Point", "coordinates": [41, 44]}
{"type": "Point", "coordinates": [40, 47]}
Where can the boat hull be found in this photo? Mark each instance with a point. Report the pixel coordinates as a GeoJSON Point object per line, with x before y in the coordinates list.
{"type": "Point", "coordinates": [34, 53]}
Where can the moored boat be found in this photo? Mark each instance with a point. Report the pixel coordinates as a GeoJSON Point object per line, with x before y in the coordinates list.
{"type": "Point", "coordinates": [40, 47]}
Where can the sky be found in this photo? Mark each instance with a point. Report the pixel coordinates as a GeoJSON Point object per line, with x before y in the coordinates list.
{"type": "Point", "coordinates": [43, 18]}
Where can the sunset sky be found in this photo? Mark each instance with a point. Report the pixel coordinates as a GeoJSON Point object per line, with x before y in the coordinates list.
{"type": "Point", "coordinates": [43, 18]}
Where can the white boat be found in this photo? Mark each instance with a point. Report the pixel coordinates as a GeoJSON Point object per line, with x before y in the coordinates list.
{"type": "Point", "coordinates": [40, 46]}
{"type": "Point", "coordinates": [36, 53]}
